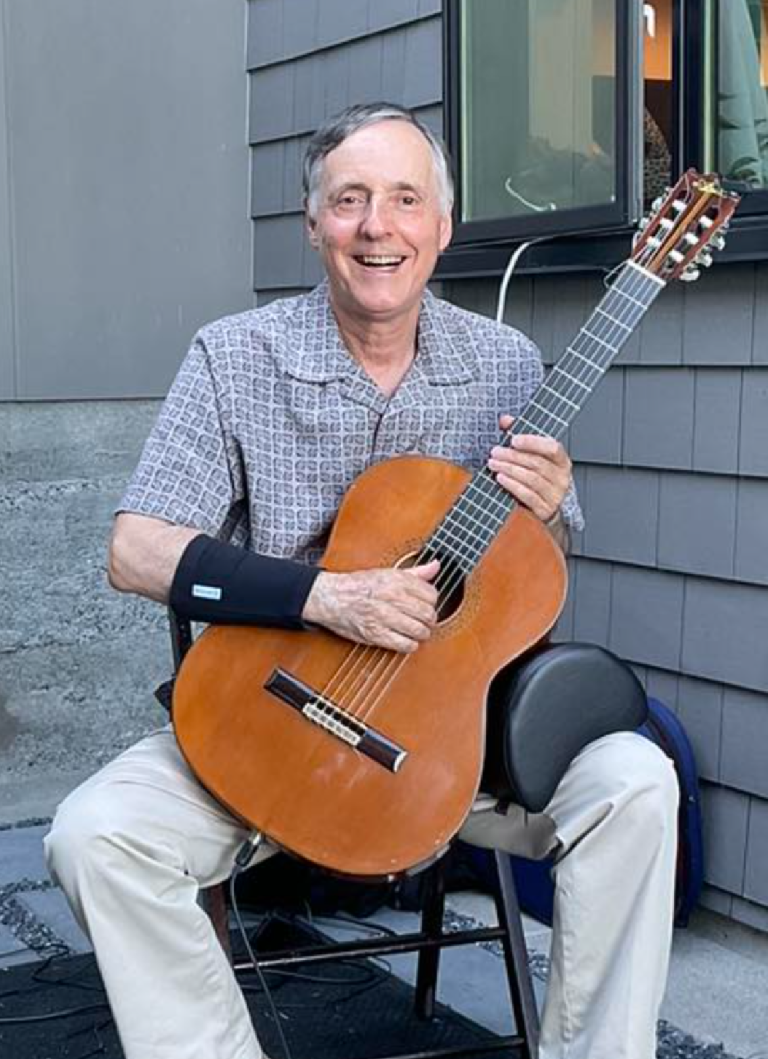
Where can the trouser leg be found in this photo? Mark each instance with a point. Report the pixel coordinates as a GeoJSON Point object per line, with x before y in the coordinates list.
{"type": "Point", "coordinates": [612, 825]}
{"type": "Point", "coordinates": [130, 849]}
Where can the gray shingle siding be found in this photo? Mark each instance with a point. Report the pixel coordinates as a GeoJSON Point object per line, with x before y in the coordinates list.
{"type": "Point", "coordinates": [671, 454]}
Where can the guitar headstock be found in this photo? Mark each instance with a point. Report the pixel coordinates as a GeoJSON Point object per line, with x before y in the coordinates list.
{"type": "Point", "coordinates": [676, 237]}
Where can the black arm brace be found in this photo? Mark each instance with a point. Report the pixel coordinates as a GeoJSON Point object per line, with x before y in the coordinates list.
{"type": "Point", "coordinates": [226, 585]}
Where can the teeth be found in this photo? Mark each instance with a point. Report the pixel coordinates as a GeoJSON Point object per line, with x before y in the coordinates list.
{"type": "Point", "coordinates": [370, 259]}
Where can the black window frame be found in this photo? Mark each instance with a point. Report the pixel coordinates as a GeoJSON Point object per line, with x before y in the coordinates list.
{"type": "Point", "coordinates": [481, 248]}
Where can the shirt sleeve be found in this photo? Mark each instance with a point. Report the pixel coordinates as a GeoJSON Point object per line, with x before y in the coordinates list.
{"type": "Point", "coordinates": [189, 471]}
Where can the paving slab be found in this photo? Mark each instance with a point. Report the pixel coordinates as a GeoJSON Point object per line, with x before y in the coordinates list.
{"type": "Point", "coordinates": [13, 951]}
{"type": "Point", "coordinates": [21, 854]}
{"type": "Point", "coordinates": [50, 907]}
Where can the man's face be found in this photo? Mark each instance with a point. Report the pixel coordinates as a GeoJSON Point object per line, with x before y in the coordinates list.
{"type": "Point", "coordinates": [379, 226]}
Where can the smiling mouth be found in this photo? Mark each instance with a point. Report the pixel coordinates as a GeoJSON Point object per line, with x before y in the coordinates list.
{"type": "Point", "coordinates": [379, 260]}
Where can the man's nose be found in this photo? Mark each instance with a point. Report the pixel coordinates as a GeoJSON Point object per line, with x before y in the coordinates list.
{"type": "Point", "coordinates": [377, 219]}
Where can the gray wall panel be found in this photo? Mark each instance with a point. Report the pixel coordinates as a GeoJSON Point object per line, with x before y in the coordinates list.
{"type": "Point", "coordinates": [592, 601]}
{"type": "Point", "coordinates": [720, 624]}
{"type": "Point", "coordinates": [725, 836]}
{"type": "Point", "coordinates": [545, 293]}
{"type": "Point", "coordinates": [760, 338]}
{"type": "Point", "coordinates": [300, 23]}
{"type": "Point", "coordinates": [749, 913]}
{"type": "Point", "coordinates": [745, 741]}
{"type": "Point", "coordinates": [717, 322]}
{"type": "Point", "coordinates": [392, 66]}
{"type": "Point", "coordinates": [350, 16]}
{"type": "Point", "coordinates": [364, 75]}
{"type": "Point", "coordinates": [7, 335]}
{"type": "Point", "coordinates": [265, 32]}
{"type": "Point", "coordinates": [661, 336]}
{"type": "Point", "coordinates": [663, 686]}
{"type": "Point", "coordinates": [752, 531]}
{"type": "Point", "coordinates": [658, 429]}
{"type": "Point", "coordinates": [130, 176]}
{"type": "Point", "coordinates": [753, 445]}
{"type": "Point", "coordinates": [717, 407]}
{"type": "Point", "coordinates": [423, 68]}
{"type": "Point", "coordinates": [272, 100]}
{"type": "Point", "coordinates": [278, 252]}
{"type": "Point", "coordinates": [268, 178]}
{"type": "Point", "coordinates": [646, 616]}
{"type": "Point", "coordinates": [623, 508]}
{"type": "Point", "coordinates": [596, 435]}
{"type": "Point", "coordinates": [700, 708]}
{"type": "Point", "coordinates": [755, 874]}
{"type": "Point", "coordinates": [697, 524]}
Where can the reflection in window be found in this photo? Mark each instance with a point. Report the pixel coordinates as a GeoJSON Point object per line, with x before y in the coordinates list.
{"type": "Point", "coordinates": [657, 117]}
{"type": "Point", "coordinates": [537, 106]}
{"type": "Point", "coordinates": [737, 84]}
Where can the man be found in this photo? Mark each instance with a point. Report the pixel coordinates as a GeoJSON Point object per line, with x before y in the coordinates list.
{"type": "Point", "coordinates": [271, 417]}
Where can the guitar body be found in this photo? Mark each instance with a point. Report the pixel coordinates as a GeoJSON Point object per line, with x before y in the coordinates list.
{"type": "Point", "coordinates": [304, 787]}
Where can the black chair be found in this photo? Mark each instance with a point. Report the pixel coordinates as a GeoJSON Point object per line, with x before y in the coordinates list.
{"type": "Point", "coordinates": [573, 692]}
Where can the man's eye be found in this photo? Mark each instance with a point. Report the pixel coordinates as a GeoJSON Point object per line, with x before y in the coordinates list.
{"type": "Point", "coordinates": [409, 201]}
{"type": "Point", "coordinates": [349, 200]}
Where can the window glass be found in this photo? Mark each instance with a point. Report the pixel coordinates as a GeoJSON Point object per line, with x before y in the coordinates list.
{"type": "Point", "coordinates": [736, 95]}
{"type": "Point", "coordinates": [537, 106]}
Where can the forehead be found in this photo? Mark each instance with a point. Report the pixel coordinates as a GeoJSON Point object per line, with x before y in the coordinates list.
{"type": "Point", "coordinates": [387, 152]}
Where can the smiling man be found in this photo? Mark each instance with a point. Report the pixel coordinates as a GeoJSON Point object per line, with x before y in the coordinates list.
{"type": "Point", "coordinates": [272, 416]}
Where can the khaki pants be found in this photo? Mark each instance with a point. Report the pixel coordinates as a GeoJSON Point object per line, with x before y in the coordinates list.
{"type": "Point", "coordinates": [133, 844]}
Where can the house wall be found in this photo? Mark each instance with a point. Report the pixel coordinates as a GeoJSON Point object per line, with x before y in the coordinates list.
{"type": "Point", "coordinates": [671, 455]}
{"type": "Point", "coordinates": [123, 226]}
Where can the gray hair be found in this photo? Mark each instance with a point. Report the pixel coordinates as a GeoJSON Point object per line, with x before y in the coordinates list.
{"type": "Point", "coordinates": [337, 129]}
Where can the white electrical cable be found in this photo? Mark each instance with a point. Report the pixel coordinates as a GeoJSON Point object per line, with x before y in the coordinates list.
{"type": "Point", "coordinates": [516, 255]}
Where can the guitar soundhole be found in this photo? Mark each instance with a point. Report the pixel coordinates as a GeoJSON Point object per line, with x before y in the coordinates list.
{"type": "Point", "coordinates": [449, 581]}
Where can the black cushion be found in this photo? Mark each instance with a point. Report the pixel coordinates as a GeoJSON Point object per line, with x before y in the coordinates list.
{"type": "Point", "coordinates": [544, 710]}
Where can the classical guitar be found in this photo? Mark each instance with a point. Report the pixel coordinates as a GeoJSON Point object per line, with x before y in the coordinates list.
{"type": "Point", "coordinates": [366, 761]}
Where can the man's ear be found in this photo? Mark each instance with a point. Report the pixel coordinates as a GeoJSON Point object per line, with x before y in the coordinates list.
{"type": "Point", "coordinates": [312, 232]}
{"type": "Point", "coordinates": [446, 230]}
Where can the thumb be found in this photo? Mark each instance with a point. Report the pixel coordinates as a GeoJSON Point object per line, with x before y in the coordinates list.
{"type": "Point", "coordinates": [506, 421]}
{"type": "Point", "coordinates": [426, 571]}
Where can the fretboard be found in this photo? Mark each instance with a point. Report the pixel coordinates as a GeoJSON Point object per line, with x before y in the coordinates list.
{"type": "Point", "coordinates": [474, 520]}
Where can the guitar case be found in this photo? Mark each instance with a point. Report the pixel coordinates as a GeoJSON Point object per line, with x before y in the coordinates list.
{"type": "Point", "coordinates": [546, 708]}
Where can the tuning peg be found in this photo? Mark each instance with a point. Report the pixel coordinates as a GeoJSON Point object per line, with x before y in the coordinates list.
{"type": "Point", "coordinates": [704, 259]}
{"type": "Point", "coordinates": [690, 274]}
{"type": "Point", "coordinates": [717, 242]}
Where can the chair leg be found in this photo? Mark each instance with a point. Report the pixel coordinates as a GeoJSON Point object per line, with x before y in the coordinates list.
{"type": "Point", "coordinates": [432, 927]}
{"type": "Point", "coordinates": [214, 902]}
{"type": "Point", "coordinates": [516, 958]}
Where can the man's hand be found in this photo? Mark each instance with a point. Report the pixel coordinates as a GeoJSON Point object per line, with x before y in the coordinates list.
{"type": "Point", "coordinates": [535, 470]}
{"type": "Point", "coordinates": [395, 609]}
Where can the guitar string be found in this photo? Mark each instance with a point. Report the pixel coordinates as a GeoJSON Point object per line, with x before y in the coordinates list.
{"type": "Point", "coordinates": [400, 661]}
{"type": "Point", "coordinates": [575, 383]}
{"type": "Point", "coordinates": [446, 590]}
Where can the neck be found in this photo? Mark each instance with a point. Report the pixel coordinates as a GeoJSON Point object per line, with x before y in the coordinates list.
{"type": "Point", "coordinates": [385, 349]}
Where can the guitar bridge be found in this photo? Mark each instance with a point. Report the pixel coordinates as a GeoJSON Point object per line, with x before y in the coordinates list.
{"type": "Point", "coordinates": [322, 711]}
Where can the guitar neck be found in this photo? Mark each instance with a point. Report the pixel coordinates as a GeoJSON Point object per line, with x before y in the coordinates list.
{"type": "Point", "coordinates": [570, 383]}
{"type": "Point", "coordinates": [476, 517]}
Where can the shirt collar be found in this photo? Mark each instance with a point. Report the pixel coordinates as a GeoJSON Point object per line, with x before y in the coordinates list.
{"type": "Point", "coordinates": [317, 353]}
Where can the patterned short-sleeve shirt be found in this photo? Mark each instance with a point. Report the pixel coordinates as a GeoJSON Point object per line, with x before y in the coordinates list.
{"type": "Point", "coordinates": [270, 419]}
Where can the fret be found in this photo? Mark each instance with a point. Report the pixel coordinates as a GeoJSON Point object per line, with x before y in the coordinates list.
{"type": "Point", "coordinates": [586, 360]}
{"type": "Point", "coordinates": [572, 378]}
{"type": "Point", "coordinates": [529, 428]}
{"type": "Point", "coordinates": [613, 319]}
{"type": "Point", "coordinates": [466, 498]}
{"type": "Point", "coordinates": [547, 412]}
{"type": "Point", "coordinates": [559, 396]}
{"type": "Point", "coordinates": [497, 496]}
{"type": "Point", "coordinates": [629, 298]}
{"type": "Point", "coordinates": [600, 341]}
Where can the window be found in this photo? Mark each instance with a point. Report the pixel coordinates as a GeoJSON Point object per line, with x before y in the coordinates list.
{"type": "Point", "coordinates": [571, 116]}
{"type": "Point", "coordinates": [544, 105]}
